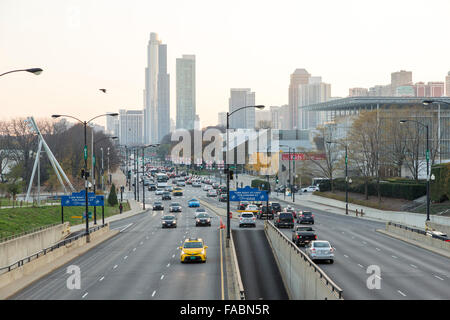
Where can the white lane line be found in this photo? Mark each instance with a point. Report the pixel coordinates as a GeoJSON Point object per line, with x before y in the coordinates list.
{"type": "Point", "coordinates": [115, 266]}
{"type": "Point", "coordinates": [378, 249]}
{"type": "Point", "coordinates": [126, 227]}
{"type": "Point", "coordinates": [84, 295]}
{"type": "Point", "coordinates": [438, 277]}
{"type": "Point", "coordinates": [124, 258]}
{"type": "Point", "coordinates": [168, 265]}
{"type": "Point", "coordinates": [401, 293]}
{"type": "Point", "coordinates": [364, 242]}
{"type": "Point", "coordinates": [413, 266]}
{"type": "Point", "coordinates": [101, 279]}
{"type": "Point", "coordinates": [394, 257]}
{"type": "Point", "coordinates": [345, 255]}
{"type": "Point", "coordinates": [162, 277]}
{"type": "Point", "coordinates": [173, 256]}
{"type": "Point", "coordinates": [142, 243]}
{"type": "Point", "coordinates": [134, 249]}
{"type": "Point", "coordinates": [360, 265]}
{"type": "Point", "coordinates": [153, 294]}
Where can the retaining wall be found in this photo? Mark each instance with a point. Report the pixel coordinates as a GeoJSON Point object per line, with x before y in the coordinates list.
{"type": "Point", "coordinates": [424, 239]}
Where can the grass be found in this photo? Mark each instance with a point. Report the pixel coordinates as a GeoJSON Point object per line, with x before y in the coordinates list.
{"type": "Point", "coordinates": [435, 208]}
{"type": "Point", "coordinates": [18, 220]}
{"type": "Point", "coordinates": [350, 200]}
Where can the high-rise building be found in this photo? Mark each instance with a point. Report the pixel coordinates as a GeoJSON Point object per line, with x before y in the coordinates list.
{"type": "Point", "coordinates": [131, 127]}
{"type": "Point", "coordinates": [431, 89]}
{"type": "Point", "coordinates": [222, 119]}
{"type": "Point", "coordinates": [358, 92]}
{"type": "Point", "coordinates": [112, 125]}
{"type": "Point", "coordinates": [315, 91]}
{"type": "Point", "coordinates": [447, 85]}
{"type": "Point", "coordinates": [263, 119]}
{"type": "Point", "coordinates": [400, 78]}
{"type": "Point", "coordinates": [380, 91]}
{"type": "Point", "coordinates": [157, 92]}
{"type": "Point", "coordinates": [244, 118]}
{"type": "Point", "coordinates": [275, 116]}
{"type": "Point", "coordinates": [299, 77]}
{"type": "Point", "coordinates": [186, 108]}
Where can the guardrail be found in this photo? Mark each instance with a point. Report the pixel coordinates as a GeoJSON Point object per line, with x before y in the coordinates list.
{"type": "Point", "coordinates": [422, 232]}
{"type": "Point", "coordinates": [14, 236]}
{"type": "Point", "coordinates": [44, 251]}
{"type": "Point", "coordinates": [322, 275]}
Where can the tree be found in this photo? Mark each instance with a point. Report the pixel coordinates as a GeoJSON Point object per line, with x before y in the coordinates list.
{"type": "Point", "coordinates": [112, 197]}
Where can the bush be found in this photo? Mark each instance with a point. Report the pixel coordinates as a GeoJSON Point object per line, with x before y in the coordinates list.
{"type": "Point", "coordinates": [112, 197]}
{"type": "Point", "coordinates": [440, 187]}
{"type": "Point", "coordinates": [257, 183]}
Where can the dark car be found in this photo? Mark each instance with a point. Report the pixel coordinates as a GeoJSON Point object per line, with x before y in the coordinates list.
{"type": "Point", "coordinates": [151, 187]}
{"type": "Point", "coordinates": [203, 219]}
{"type": "Point", "coordinates": [222, 189]}
{"type": "Point", "coordinates": [284, 219]}
{"type": "Point", "coordinates": [175, 207]}
{"type": "Point", "coordinates": [166, 195]}
{"type": "Point", "coordinates": [301, 236]}
{"type": "Point", "coordinates": [223, 197]}
{"type": "Point", "coordinates": [305, 217]}
{"type": "Point", "coordinates": [157, 205]}
{"type": "Point", "coordinates": [275, 206]}
{"type": "Point", "coordinates": [262, 213]}
{"type": "Point", "coordinates": [169, 221]}
{"type": "Point", "coordinates": [242, 205]}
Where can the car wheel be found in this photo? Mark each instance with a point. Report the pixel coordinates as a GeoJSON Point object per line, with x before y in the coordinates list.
{"type": "Point", "coordinates": [331, 261]}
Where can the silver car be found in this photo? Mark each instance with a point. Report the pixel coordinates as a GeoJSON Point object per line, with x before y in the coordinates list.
{"type": "Point", "coordinates": [320, 250]}
{"type": "Point", "coordinates": [247, 219]}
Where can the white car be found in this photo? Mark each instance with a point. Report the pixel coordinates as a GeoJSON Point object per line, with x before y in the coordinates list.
{"type": "Point", "coordinates": [247, 219]}
{"type": "Point", "coordinates": [310, 189]}
{"type": "Point", "coordinates": [252, 207]}
{"type": "Point", "coordinates": [212, 193]}
{"type": "Point", "coordinates": [196, 184]}
{"type": "Point", "coordinates": [159, 191]}
{"type": "Point", "coordinates": [207, 187]}
{"type": "Point", "coordinates": [320, 250]}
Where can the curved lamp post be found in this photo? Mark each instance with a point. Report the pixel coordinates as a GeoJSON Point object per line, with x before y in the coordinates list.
{"type": "Point", "coordinates": [85, 123]}
{"type": "Point", "coordinates": [227, 168]}
{"type": "Point", "coordinates": [36, 71]}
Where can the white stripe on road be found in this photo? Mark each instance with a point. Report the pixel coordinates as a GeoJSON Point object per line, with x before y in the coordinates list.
{"type": "Point", "coordinates": [101, 279]}
{"type": "Point", "coordinates": [394, 257]}
{"type": "Point", "coordinates": [413, 266]}
{"type": "Point", "coordinates": [162, 277]}
{"type": "Point", "coordinates": [438, 277]}
{"type": "Point", "coordinates": [153, 294]}
{"type": "Point", "coordinates": [360, 265]}
{"type": "Point", "coordinates": [345, 255]}
{"type": "Point", "coordinates": [134, 249]}
{"type": "Point", "coordinates": [126, 227]}
{"type": "Point", "coordinates": [378, 249]}
{"type": "Point", "coordinates": [125, 257]}
{"type": "Point", "coordinates": [401, 293]}
{"type": "Point", "coordinates": [84, 295]}
{"type": "Point", "coordinates": [115, 266]}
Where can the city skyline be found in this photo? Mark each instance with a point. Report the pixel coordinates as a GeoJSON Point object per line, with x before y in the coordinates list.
{"type": "Point", "coordinates": [92, 55]}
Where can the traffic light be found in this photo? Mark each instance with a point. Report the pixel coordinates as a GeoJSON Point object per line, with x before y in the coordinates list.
{"type": "Point", "coordinates": [84, 174]}
{"type": "Point", "coordinates": [276, 179]}
{"type": "Point", "coordinates": [231, 174]}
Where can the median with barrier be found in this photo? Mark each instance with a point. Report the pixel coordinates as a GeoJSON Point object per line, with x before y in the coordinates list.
{"type": "Point", "coordinates": [303, 279]}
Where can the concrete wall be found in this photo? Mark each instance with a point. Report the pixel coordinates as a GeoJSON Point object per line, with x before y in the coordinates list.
{"type": "Point", "coordinates": [435, 243]}
{"type": "Point", "coordinates": [19, 248]}
{"type": "Point", "coordinates": [301, 276]}
{"type": "Point", "coordinates": [9, 278]}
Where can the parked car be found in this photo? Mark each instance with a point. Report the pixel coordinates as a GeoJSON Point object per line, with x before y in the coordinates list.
{"type": "Point", "coordinates": [203, 219]}
{"type": "Point", "coordinates": [284, 219]}
{"type": "Point", "coordinates": [193, 203]}
{"type": "Point", "coordinates": [303, 235]}
{"type": "Point", "coordinates": [175, 207]}
{"type": "Point", "coordinates": [157, 205]}
{"type": "Point", "coordinates": [247, 219]}
{"type": "Point", "coordinates": [169, 221]}
{"type": "Point", "coordinates": [310, 189]}
{"type": "Point", "coordinates": [320, 250]}
{"type": "Point", "coordinates": [305, 217]}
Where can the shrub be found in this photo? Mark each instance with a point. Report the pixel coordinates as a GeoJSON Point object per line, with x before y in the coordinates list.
{"type": "Point", "coordinates": [112, 197]}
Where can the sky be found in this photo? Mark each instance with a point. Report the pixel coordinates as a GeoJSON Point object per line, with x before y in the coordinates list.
{"type": "Point", "coordinates": [85, 45]}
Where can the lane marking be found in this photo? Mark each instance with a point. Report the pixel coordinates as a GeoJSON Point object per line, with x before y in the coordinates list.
{"type": "Point", "coordinates": [129, 225]}
{"type": "Point", "coordinates": [438, 277]}
{"type": "Point", "coordinates": [173, 256]}
{"type": "Point", "coordinates": [101, 279]}
{"type": "Point", "coordinates": [360, 265]}
{"type": "Point", "coordinates": [168, 265]}
{"type": "Point", "coordinates": [134, 249]}
{"type": "Point", "coordinates": [153, 294]}
{"type": "Point", "coordinates": [162, 277]}
{"type": "Point", "coordinates": [394, 257]}
{"type": "Point", "coordinates": [413, 266]}
{"type": "Point", "coordinates": [401, 293]}
{"type": "Point", "coordinates": [125, 257]}
{"type": "Point", "coordinates": [345, 255]}
{"type": "Point", "coordinates": [142, 243]}
{"type": "Point", "coordinates": [378, 249]}
{"type": "Point", "coordinates": [115, 266]}
{"type": "Point", "coordinates": [84, 295]}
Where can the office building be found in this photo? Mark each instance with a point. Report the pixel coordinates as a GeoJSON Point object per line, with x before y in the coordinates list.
{"type": "Point", "coordinates": [222, 119]}
{"type": "Point", "coordinates": [244, 118]}
{"type": "Point", "coordinates": [315, 91]}
{"type": "Point", "coordinates": [131, 127]}
{"type": "Point", "coordinates": [186, 100]}
{"type": "Point", "coordinates": [400, 78]}
{"type": "Point", "coordinates": [299, 77]}
{"type": "Point", "coordinates": [358, 92]}
{"type": "Point", "coordinates": [447, 85]}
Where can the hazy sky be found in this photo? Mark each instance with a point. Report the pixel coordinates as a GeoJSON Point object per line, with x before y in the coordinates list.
{"type": "Point", "coordinates": [85, 45]}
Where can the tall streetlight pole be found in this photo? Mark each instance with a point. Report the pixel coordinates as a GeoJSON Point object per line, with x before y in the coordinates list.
{"type": "Point", "coordinates": [36, 71]}
{"type": "Point", "coordinates": [346, 174]}
{"type": "Point", "coordinates": [438, 102]}
{"type": "Point", "coordinates": [86, 174]}
{"type": "Point", "coordinates": [428, 161]}
{"type": "Point", "coordinates": [289, 163]}
{"type": "Point", "coordinates": [143, 172]}
{"type": "Point", "coordinates": [227, 168]}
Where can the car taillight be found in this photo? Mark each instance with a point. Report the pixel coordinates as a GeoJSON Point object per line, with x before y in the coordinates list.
{"type": "Point", "coordinates": [254, 218]}
{"type": "Point", "coordinates": [313, 250]}
{"type": "Point", "coordinates": [312, 215]}
{"type": "Point", "coordinates": [331, 250]}
{"type": "Point", "coordinates": [315, 237]}
{"type": "Point", "coordinates": [298, 237]}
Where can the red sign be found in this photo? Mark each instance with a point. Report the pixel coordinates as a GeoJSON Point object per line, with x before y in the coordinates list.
{"type": "Point", "coordinates": [303, 156]}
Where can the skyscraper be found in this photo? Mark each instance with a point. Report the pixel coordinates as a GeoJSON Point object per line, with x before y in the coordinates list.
{"type": "Point", "coordinates": [130, 127]}
{"type": "Point", "coordinates": [157, 92]}
{"type": "Point", "coordinates": [244, 118]}
{"type": "Point", "coordinates": [400, 78]}
{"type": "Point", "coordinates": [447, 85]}
{"type": "Point", "coordinates": [186, 107]}
{"type": "Point", "coordinates": [315, 91]}
{"type": "Point", "coordinates": [300, 76]}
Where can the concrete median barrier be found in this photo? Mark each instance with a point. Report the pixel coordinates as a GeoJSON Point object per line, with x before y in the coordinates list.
{"type": "Point", "coordinates": [303, 279]}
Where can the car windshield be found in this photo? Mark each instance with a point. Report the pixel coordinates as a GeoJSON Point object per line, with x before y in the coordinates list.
{"type": "Point", "coordinates": [190, 245]}
{"type": "Point", "coordinates": [203, 215]}
{"type": "Point", "coordinates": [157, 203]}
{"type": "Point", "coordinates": [193, 200]}
{"type": "Point", "coordinates": [247, 215]}
{"type": "Point", "coordinates": [304, 229]}
{"type": "Point", "coordinates": [306, 213]}
{"type": "Point", "coordinates": [168, 218]}
{"type": "Point", "coordinates": [200, 210]}
{"type": "Point", "coordinates": [175, 204]}
{"type": "Point", "coordinates": [286, 215]}
{"type": "Point", "coordinates": [321, 245]}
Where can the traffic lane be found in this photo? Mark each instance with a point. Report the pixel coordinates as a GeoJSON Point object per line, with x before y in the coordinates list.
{"type": "Point", "coordinates": [92, 265]}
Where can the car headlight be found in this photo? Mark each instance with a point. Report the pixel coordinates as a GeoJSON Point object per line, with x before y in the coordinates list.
{"type": "Point", "coordinates": [164, 222]}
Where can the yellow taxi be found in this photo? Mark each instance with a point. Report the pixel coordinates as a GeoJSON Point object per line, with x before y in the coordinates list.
{"type": "Point", "coordinates": [193, 249]}
{"type": "Point", "coordinates": [177, 191]}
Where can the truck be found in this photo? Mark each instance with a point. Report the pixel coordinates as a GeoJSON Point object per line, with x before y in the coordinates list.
{"type": "Point", "coordinates": [303, 235]}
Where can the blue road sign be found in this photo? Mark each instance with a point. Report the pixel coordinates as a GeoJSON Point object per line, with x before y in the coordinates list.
{"type": "Point", "coordinates": [248, 194]}
{"type": "Point", "coordinates": [78, 199]}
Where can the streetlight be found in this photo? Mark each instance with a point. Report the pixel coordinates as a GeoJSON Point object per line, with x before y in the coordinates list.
{"type": "Point", "coordinates": [85, 172]}
{"type": "Point", "coordinates": [36, 71]}
{"type": "Point", "coordinates": [227, 168]}
{"type": "Point", "coordinates": [428, 160]}
{"type": "Point", "coordinates": [94, 160]}
{"type": "Point", "coordinates": [439, 102]}
{"type": "Point", "coordinates": [293, 165]}
{"type": "Point", "coordinates": [143, 172]}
